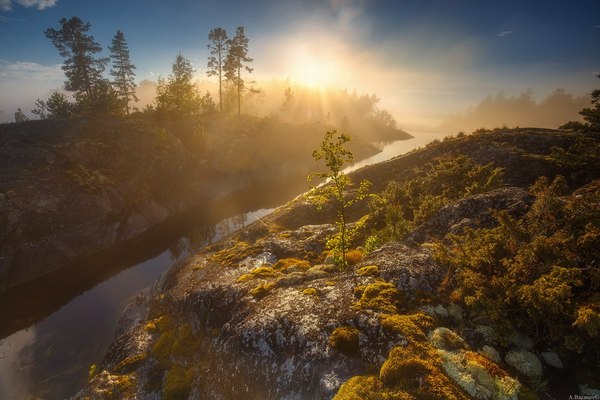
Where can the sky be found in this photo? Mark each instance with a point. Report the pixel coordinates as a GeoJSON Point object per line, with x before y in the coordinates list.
{"type": "Point", "coordinates": [424, 59]}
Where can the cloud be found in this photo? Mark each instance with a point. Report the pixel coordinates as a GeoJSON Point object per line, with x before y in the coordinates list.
{"type": "Point", "coordinates": [505, 33]}
{"type": "Point", "coordinates": [6, 5]}
{"type": "Point", "coordinates": [30, 71]}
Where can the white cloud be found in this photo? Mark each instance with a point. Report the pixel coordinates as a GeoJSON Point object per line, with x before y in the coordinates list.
{"type": "Point", "coordinates": [6, 5]}
{"type": "Point", "coordinates": [30, 71]}
{"type": "Point", "coordinates": [505, 33]}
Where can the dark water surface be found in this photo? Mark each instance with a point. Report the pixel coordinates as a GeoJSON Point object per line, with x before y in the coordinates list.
{"type": "Point", "coordinates": [53, 329]}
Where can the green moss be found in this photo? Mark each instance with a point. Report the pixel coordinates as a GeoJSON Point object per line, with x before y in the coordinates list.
{"type": "Point", "coordinates": [310, 291]}
{"type": "Point", "coordinates": [398, 370]}
{"type": "Point", "coordinates": [130, 363]}
{"type": "Point", "coordinates": [345, 340]}
{"type": "Point", "coordinates": [177, 383]}
{"type": "Point", "coordinates": [380, 296]}
{"type": "Point", "coordinates": [285, 263]}
{"type": "Point", "coordinates": [262, 290]}
{"type": "Point", "coordinates": [186, 343]}
{"type": "Point", "coordinates": [369, 270]}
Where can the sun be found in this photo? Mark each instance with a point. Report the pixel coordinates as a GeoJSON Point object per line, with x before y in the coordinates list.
{"type": "Point", "coordinates": [313, 68]}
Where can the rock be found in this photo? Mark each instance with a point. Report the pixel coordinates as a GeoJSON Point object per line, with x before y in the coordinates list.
{"type": "Point", "coordinates": [525, 362]}
{"type": "Point", "coordinates": [521, 341]}
{"type": "Point", "coordinates": [552, 359]}
{"type": "Point", "coordinates": [445, 339]}
{"type": "Point", "coordinates": [491, 353]}
{"type": "Point", "coordinates": [586, 390]}
{"type": "Point", "coordinates": [456, 312]}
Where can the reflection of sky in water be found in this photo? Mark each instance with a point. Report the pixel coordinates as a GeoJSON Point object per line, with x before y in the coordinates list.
{"type": "Point", "coordinates": [51, 359]}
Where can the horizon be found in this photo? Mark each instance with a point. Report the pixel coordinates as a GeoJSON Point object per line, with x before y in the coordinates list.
{"type": "Point", "coordinates": [425, 61]}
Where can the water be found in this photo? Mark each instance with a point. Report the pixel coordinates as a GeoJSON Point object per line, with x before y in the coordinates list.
{"type": "Point", "coordinates": [50, 344]}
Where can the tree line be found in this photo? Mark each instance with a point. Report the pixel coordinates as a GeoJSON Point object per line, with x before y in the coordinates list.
{"type": "Point", "coordinates": [176, 95]}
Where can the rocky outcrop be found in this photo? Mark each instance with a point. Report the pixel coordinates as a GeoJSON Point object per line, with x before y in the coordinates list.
{"type": "Point", "coordinates": [262, 315]}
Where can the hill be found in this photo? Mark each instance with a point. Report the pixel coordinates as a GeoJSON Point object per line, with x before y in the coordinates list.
{"type": "Point", "coordinates": [473, 276]}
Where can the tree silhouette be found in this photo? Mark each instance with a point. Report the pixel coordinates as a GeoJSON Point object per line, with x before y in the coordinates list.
{"type": "Point", "coordinates": [20, 116]}
{"type": "Point", "coordinates": [82, 69]}
{"type": "Point", "coordinates": [218, 50]}
{"type": "Point", "coordinates": [178, 95]}
{"type": "Point", "coordinates": [235, 62]}
{"type": "Point", "coordinates": [122, 70]}
{"type": "Point", "coordinates": [592, 115]}
{"type": "Point", "coordinates": [56, 107]}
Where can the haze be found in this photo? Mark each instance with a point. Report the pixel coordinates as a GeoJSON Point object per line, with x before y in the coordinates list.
{"type": "Point", "coordinates": [427, 62]}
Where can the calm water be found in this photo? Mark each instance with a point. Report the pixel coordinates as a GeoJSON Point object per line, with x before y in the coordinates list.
{"type": "Point", "coordinates": [50, 358]}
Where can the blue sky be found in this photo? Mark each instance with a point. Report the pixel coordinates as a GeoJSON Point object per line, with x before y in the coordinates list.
{"type": "Point", "coordinates": [437, 55]}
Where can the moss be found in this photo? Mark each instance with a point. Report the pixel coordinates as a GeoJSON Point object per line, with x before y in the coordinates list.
{"type": "Point", "coordinates": [262, 290]}
{"type": "Point", "coordinates": [412, 327]}
{"type": "Point", "coordinates": [177, 383]}
{"type": "Point", "coordinates": [445, 339]}
{"type": "Point", "coordinates": [129, 363]}
{"type": "Point", "coordinates": [260, 272]}
{"type": "Point", "coordinates": [93, 371]}
{"type": "Point", "coordinates": [330, 283]}
{"type": "Point", "coordinates": [360, 388]}
{"type": "Point", "coordinates": [162, 347]}
{"type": "Point", "coordinates": [369, 270]}
{"type": "Point", "coordinates": [285, 263]}
{"type": "Point", "coordinates": [310, 291]}
{"type": "Point", "coordinates": [231, 256]}
{"type": "Point", "coordinates": [186, 343]}
{"type": "Point", "coordinates": [400, 371]}
{"type": "Point", "coordinates": [380, 296]}
{"type": "Point", "coordinates": [345, 340]}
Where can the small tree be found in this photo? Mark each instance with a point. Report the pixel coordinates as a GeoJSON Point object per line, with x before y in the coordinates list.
{"type": "Point", "coordinates": [122, 70]}
{"type": "Point", "coordinates": [56, 107]}
{"type": "Point", "coordinates": [20, 116]}
{"type": "Point", "coordinates": [592, 115]}
{"type": "Point", "coordinates": [218, 51]}
{"type": "Point", "coordinates": [207, 104]}
{"type": "Point", "coordinates": [82, 69]}
{"type": "Point", "coordinates": [102, 100]}
{"type": "Point", "coordinates": [288, 100]}
{"type": "Point", "coordinates": [236, 61]}
{"type": "Point", "coordinates": [178, 95]}
{"type": "Point", "coordinates": [335, 156]}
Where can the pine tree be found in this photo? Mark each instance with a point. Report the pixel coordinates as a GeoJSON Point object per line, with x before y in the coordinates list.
{"type": "Point", "coordinates": [592, 115]}
{"type": "Point", "coordinates": [218, 50]}
{"type": "Point", "coordinates": [235, 62]}
{"type": "Point", "coordinates": [20, 116]}
{"type": "Point", "coordinates": [178, 95]}
{"type": "Point", "coordinates": [56, 107]}
{"type": "Point", "coordinates": [82, 69]}
{"type": "Point", "coordinates": [122, 70]}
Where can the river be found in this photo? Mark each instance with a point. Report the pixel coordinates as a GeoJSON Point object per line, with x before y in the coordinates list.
{"type": "Point", "coordinates": [57, 327]}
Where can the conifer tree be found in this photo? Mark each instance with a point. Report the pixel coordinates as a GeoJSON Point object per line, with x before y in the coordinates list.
{"type": "Point", "coordinates": [592, 115]}
{"type": "Point", "coordinates": [82, 68]}
{"type": "Point", "coordinates": [122, 70]}
{"type": "Point", "coordinates": [178, 95]}
{"type": "Point", "coordinates": [218, 52]}
{"type": "Point", "coordinates": [236, 61]}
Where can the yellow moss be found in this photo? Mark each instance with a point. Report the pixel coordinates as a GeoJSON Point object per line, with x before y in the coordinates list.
{"type": "Point", "coordinates": [130, 362]}
{"type": "Point", "coordinates": [262, 290]}
{"type": "Point", "coordinates": [412, 326]}
{"type": "Point", "coordinates": [177, 383]}
{"type": "Point", "coordinates": [330, 283]}
{"type": "Point", "coordinates": [186, 343]}
{"type": "Point", "coordinates": [360, 388]}
{"type": "Point", "coordinates": [93, 371]}
{"type": "Point", "coordinates": [359, 290]}
{"type": "Point", "coordinates": [345, 340]}
{"type": "Point", "coordinates": [260, 272]}
{"type": "Point", "coordinates": [310, 291]}
{"type": "Point", "coordinates": [284, 263]}
{"type": "Point", "coordinates": [150, 327]}
{"type": "Point", "coordinates": [380, 296]}
{"type": "Point", "coordinates": [233, 255]}
{"type": "Point", "coordinates": [369, 270]}
{"type": "Point", "coordinates": [161, 350]}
